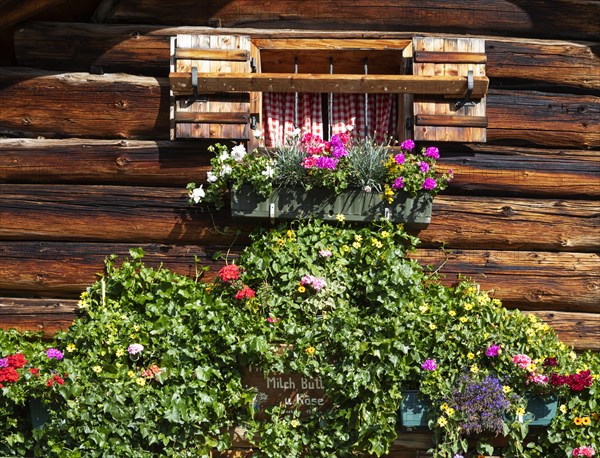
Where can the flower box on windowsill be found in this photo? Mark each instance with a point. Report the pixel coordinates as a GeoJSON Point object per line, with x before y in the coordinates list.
{"type": "Point", "coordinates": [414, 410]}
{"type": "Point", "coordinates": [356, 205]}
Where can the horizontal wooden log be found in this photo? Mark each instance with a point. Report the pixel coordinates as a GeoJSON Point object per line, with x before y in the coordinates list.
{"type": "Point", "coordinates": [521, 279]}
{"type": "Point", "coordinates": [181, 83]}
{"type": "Point", "coordinates": [451, 120]}
{"type": "Point", "coordinates": [449, 57]}
{"type": "Point", "coordinates": [209, 117]}
{"type": "Point", "coordinates": [502, 17]}
{"type": "Point", "coordinates": [143, 214]}
{"type": "Point", "coordinates": [481, 169]}
{"type": "Point", "coordinates": [117, 105]}
{"type": "Point", "coordinates": [49, 316]}
{"type": "Point", "coordinates": [144, 49]}
{"type": "Point", "coordinates": [212, 54]}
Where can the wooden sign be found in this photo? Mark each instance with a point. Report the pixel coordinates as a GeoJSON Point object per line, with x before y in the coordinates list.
{"type": "Point", "coordinates": [294, 391]}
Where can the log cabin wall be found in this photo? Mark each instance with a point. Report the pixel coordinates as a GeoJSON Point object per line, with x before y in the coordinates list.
{"type": "Point", "coordinates": [87, 170]}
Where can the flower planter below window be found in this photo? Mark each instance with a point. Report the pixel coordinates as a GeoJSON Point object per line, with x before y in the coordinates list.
{"type": "Point", "coordinates": [356, 205]}
{"type": "Point", "coordinates": [541, 411]}
{"type": "Point", "coordinates": [414, 410]}
{"type": "Point", "coordinates": [38, 412]}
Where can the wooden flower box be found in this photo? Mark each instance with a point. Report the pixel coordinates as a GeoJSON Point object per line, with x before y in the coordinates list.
{"type": "Point", "coordinates": [356, 205]}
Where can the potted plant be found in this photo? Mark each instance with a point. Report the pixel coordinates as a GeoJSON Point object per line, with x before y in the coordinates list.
{"type": "Point", "coordinates": [307, 176]}
{"type": "Point", "coordinates": [32, 375]}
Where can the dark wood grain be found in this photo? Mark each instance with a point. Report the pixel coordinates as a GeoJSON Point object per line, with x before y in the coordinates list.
{"type": "Point", "coordinates": [531, 18]}
{"type": "Point", "coordinates": [144, 49]}
{"type": "Point", "coordinates": [124, 106]}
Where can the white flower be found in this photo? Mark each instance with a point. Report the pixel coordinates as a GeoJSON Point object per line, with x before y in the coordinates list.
{"type": "Point", "coordinates": [135, 348]}
{"type": "Point", "coordinates": [226, 170]}
{"type": "Point", "coordinates": [238, 152]}
{"type": "Point", "coordinates": [296, 132]}
{"type": "Point", "coordinates": [367, 188]}
{"type": "Point", "coordinates": [197, 194]}
{"type": "Point", "coordinates": [268, 172]}
{"type": "Point", "coordinates": [211, 177]}
{"type": "Point", "coordinates": [224, 156]}
{"type": "Point", "coordinates": [257, 133]}
{"type": "Point", "coordinates": [350, 127]}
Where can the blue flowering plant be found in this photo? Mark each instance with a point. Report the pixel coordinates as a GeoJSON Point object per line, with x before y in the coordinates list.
{"type": "Point", "coordinates": [309, 161]}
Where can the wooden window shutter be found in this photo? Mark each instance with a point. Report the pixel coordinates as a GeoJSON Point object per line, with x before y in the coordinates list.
{"type": "Point", "coordinates": [216, 115]}
{"type": "Point", "coordinates": [440, 118]}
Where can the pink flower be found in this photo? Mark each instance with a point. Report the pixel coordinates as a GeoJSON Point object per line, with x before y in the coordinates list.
{"type": "Point", "coordinates": [584, 450]}
{"type": "Point", "coordinates": [522, 361]}
{"type": "Point", "coordinates": [316, 283]}
{"type": "Point", "coordinates": [429, 184]}
{"type": "Point", "coordinates": [429, 365]}
{"type": "Point", "coordinates": [309, 162]}
{"type": "Point", "coordinates": [538, 379]}
{"type": "Point", "coordinates": [432, 152]}
{"type": "Point", "coordinates": [399, 183]}
{"type": "Point", "coordinates": [273, 320]}
{"type": "Point", "coordinates": [325, 253]}
{"type": "Point", "coordinates": [424, 166]}
{"type": "Point", "coordinates": [492, 350]}
{"type": "Point", "coordinates": [407, 145]}
{"type": "Point", "coordinates": [54, 353]}
{"type": "Point", "coordinates": [399, 158]}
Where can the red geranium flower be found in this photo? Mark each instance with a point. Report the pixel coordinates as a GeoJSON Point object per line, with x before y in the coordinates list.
{"type": "Point", "coordinates": [35, 371]}
{"type": "Point", "coordinates": [9, 374]}
{"type": "Point", "coordinates": [17, 360]}
{"type": "Point", "coordinates": [229, 273]}
{"type": "Point", "coordinates": [245, 293]}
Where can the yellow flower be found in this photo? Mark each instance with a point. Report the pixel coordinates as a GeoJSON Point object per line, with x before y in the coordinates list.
{"type": "Point", "coordinates": [573, 355]}
{"type": "Point", "coordinates": [432, 326]}
{"type": "Point", "coordinates": [356, 245]}
{"type": "Point", "coordinates": [450, 412]}
{"type": "Point", "coordinates": [577, 421]}
{"type": "Point", "coordinates": [345, 248]}
{"type": "Point", "coordinates": [452, 313]}
{"type": "Point", "coordinates": [376, 243]}
{"type": "Point", "coordinates": [496, 302]}
{"type": "Point", "coordinates": [585, 421]}
{"type": "Point", "coordinates": [71, 348]}
{"type": "Point", "coordinates": [358, 238]}
{"type": "Point", "coordinates": [140, 381]}
{"type": "Point", "coordinates": [423, 308]}
{"type": "Point", "coordinates": [280, 242]}
{"type": "Point", "coordinates": [463, 319]}
{"type": "Point", "coordinates": [132, 336]}
{"type": "Point", "coordinates": [520, 411]}
{"type": "Point", "coordinates": [474, 368]}
{"type": "Point", "coordinates": [563, 408]}
{"type": "Point", "coordinates": [301, 289]}
{"type": "Point", "coordinates": [444, 406]}
{"type": "Point", "coordinates": [310, 351]}
{"type": "Point", "coordinates": [290, 233]}
{"type": "Point", "coordinates": [470, 355]}
{"type": "Point", "coordinates": [506, 389]}
{"type": "Point", "coordinates": [531, 367]}
{"type": "Point", "coordinates": [97, 369]}
{"type": "Point", "coordinates": [442, 421]}
{"type": "Point", "coordinates": [136, 327]}
{"type": "Point", "coordinates": [468, 306]}
{"type": "Point", "coordinates": [120, 352]}
{"type": "Point", "coordinates": [385, 234]}
{"type": "Point", "coordinates": [131, 374]}
{"type": "Point", "coordinates": [294, 423]}
{"type": "Point", "coordinates": [339, 217]}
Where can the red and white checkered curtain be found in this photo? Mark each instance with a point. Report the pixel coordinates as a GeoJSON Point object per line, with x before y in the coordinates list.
{"type": "Point", "coordinates": [349, 109]}
{"type": "Point", "coordinates": [279, 112]}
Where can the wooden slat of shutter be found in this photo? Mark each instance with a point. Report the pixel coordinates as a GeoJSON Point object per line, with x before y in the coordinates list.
{"type": "Point", "coordinates": [439, 118]}
{"type": "Point", "coordinates": [218, 115]}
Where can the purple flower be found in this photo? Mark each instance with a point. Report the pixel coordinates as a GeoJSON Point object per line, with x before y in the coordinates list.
{"type": "Point", "coordinates": [424, 166]}
{"type": "Point", "coordinates": [407, 145]}
{"type": "Point", "coordinates": [432, 152]}
{"type": "Point", "coordinates": [54, 353]}
{"type": "Point", "coordinates": [324, 162]}
{"type": "Point", "coordinates": [429, 365]}
{"type": "Point", "coordinates": [548, 362]}
{"type": "Point", "coordinates": [134, 349]}
{"type": "Point", "coordinates": [399, 183]}
{"type": "Point", "coordinates": [429, 184]}
{"type": "Point", "coordinates": [3, 362]}
{"type": "Point", "coordinates": [399, 158]}
{"type": "Point", "coordinates": [492, 350]}
{"type": "Point", "coordinates": [339, 151]}
{"type": "Point", "coordinates": [458, 455]}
